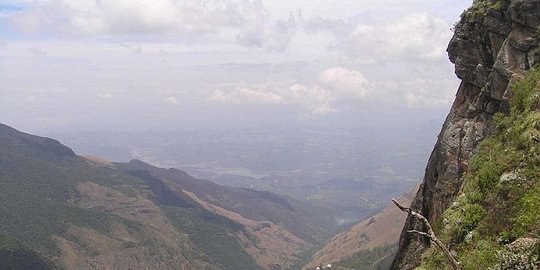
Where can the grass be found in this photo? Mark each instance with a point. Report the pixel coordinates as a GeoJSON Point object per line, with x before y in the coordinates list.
{"type": "Point", "coordinates": [500, 201]}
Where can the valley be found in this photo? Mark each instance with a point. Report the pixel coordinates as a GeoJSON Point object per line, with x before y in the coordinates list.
{"type": "Point", "coordinates": [85, 213]}
{"type": "Point", "coordinates": [269, 135]}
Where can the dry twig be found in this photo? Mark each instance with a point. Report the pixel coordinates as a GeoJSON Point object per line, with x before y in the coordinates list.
{"type": "Point", "coordinates": [429, 234]}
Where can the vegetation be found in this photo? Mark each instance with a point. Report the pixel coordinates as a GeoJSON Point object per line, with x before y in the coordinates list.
{"type": "Point", "coordinates": [213, 235]}
{"type": "Point", "coordinates": [42, 176]}
{"type": "Point", "coordinates": [480, 8]}
{"type": "Point", "coordinates": [40, 186]}
{"type": "Point", "coordinates": [375, 259]}
{"type": "Point", "coordinates": [500, 201]}
{"type": "Point", "coordinates": [15, 256]}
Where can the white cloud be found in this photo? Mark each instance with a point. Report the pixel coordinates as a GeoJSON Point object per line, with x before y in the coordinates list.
{"type": "Point", "coordinates": [340, 84]}
{"type": "Point", "coordinates": [35, 50]}
{"type": "Point", "coordinates": [172, 100]}
{"type": "Point", "coordinates": [346, 83]}
{"type": "Point", "coordinates": [247, 21]}
{"type": "Point", "coordinates": [420, 92]}
{"type": "Point", "coordinates": [337, 86]}
{"type": "Point", "coordinates": [256, 94]}
{"type": "Point", "coordinates": [105, 95]}
{"type": "Point", "coordinates": [414, 37]}
{"type": "Point", "coordinates": [314, 99]}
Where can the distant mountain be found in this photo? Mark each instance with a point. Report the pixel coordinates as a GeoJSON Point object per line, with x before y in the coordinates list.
{"type": "Point", "coordinates": [369, 244]}
{"type": "Point", "coordinates": [60, 210]}
{"type": "Point", "coordinates": [297, 217]}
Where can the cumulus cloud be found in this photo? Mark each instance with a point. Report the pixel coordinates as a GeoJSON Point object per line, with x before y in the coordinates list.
{"type": "Point", "coordinates": [314, 99]}
{"type": "Point", "coordinates": [337, 86]}
{"type": "Point", "coordinates": [186, 20]}
{"type": "Point", "coordinates": [346, 83]}
{"type": "Point", "coordinates": [414, 37]}
{"type": "Point", "coordinates": [249, 94]}
{"type": "Point", "coordinates": [334, 85]}
{"type": "Point", "coordinates": [105, 95]}
{"type": "Point", "coordinates": [247, 22]}
{"type": "Point", "coordinates": [172, 100]}
{"type": "Point", "coordinates": [274, 37]}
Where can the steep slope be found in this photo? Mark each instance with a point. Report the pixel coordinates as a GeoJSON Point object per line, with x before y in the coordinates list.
{"type": "Point", "coordinates": [65, 211]}
{"type": "Point", "coordinates": [15, 256]}
{"type": "Point", "coordinates": [494, 43]}
{"type": "Point", "coordinates": [379, 231]}
{"type": "Point", "coordinates": [309, 223]}
{"type": "Point", "coordinates": [495, 221]}
{"type": "Point", "coordinates": [274, 230]}
{"type": "Point", "coordinates": [44, 207]}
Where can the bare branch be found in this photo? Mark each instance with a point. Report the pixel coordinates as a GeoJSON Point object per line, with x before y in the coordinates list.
{"type": "Point", "coordinates": [419, 232]}
{"type": "Point", "coordinates": [429, 234]}
{"type": "Point", "coordinates": [401, 207]}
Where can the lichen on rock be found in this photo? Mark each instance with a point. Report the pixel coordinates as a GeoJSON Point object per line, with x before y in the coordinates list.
{"type": "Point", "coordinates": [494, 44]}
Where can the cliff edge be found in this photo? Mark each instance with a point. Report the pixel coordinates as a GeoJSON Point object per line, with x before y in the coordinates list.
{"type": "Point", "coordinates": [493, 46]}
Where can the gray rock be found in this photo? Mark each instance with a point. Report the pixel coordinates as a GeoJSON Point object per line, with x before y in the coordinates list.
{"type": "Point", "coordinates": [489, 52]}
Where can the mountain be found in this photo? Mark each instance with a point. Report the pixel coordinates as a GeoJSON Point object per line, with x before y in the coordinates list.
{"type": "Point", "coordinates": [62, 211]}
{"type": "Point", "coordinates": [257, 205]}
{"type": "Point", "coordinates": [373, 239]}
{"type": "Point", "coordinates": [480, 189]}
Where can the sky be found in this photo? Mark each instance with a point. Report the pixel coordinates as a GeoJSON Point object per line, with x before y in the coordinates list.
{"type": "Point", "coordinates": [164, 64]}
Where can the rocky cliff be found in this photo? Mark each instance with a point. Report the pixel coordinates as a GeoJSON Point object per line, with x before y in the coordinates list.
{"type": "Point", "coordinates": [494, 44]}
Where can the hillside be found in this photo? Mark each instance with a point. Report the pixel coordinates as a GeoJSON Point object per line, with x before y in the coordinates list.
{"type": "Point", "coordinates": [481, 178]}
{"type": "Point", "coordinates": [495, 221]}
{"type": "Point", "coordinates": [307, 222]}
{"type": "Point", "coordinates": [353, 247]}
{"type": "Point", "coordinates": [69, 212]}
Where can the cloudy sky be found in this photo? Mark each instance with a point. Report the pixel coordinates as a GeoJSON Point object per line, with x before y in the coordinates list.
{"type": "Point", "coordinates": [124, 64]}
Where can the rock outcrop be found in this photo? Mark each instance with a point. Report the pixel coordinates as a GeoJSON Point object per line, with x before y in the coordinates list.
{"type": "Point", "coordinates": [494, 43]}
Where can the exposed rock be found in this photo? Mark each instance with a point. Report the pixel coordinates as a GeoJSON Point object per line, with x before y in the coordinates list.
{"type": "Point", "coordinates": [510, 177]}
{"type": "Point", "coordinates": [493, 45]}
{"type": "Point", "coordinates": [519, 255]}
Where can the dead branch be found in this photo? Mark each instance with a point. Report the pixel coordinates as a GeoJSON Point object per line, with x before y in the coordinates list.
{"type": "Point", "coordinates": [429, 234]}
{"type": "Point", "coordinates": [421, 233]}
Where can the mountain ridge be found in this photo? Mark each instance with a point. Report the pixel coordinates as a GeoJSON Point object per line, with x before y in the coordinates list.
{"type": "Point", "coordinates": [89, 213]}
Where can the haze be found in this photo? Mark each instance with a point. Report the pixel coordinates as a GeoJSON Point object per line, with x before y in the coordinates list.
{"type": "Point", "coordinates": [312, 90]}
{"type": "Point", "coordinates": [141, 65]}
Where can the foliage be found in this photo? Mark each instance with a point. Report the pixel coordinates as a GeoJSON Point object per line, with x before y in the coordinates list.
{"type": "Point", "coordinates": [15, 256]}
{"type": "Point", "coordinates": [520, 256]}
{"type": "Point", "coordinates": [213, 235]}
{"type": "Point", "coordinates": [374, 259]}
{"type": "Point", "coordinates": [480, 8]}
{"type": "Point", "coordinates": [39, 179]}
{"type": "Point", "coordinates": [434, 259]}
{"type": "Point", "coordinates": [500, 201]}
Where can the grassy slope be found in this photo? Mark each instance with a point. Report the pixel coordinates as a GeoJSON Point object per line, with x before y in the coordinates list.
{"type": "Point", "coordinates": [309, 223]}
{"type": "Point", "coordinates": [500, 201]}
{"type": "Point", "coordinates": [15, 256]}
{"type": "Point", "coordinates": [38, 179]}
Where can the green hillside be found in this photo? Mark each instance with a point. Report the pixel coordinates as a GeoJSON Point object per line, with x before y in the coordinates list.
{"type": "Point", "coordinates": [41, 202]}
{"type": "Point", "coordinates": [15, 256]}
{"type": "Point", "coordinates": [495, 222]}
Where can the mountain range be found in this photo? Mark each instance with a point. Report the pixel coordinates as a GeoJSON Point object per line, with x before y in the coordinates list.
{"type": "Point", "coordinates": [61, 210]}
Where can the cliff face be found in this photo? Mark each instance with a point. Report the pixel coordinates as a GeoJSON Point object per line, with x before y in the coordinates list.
{"type": "Point", "coordinates": [494, 43]}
